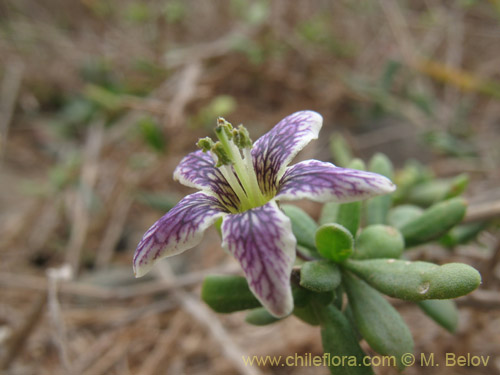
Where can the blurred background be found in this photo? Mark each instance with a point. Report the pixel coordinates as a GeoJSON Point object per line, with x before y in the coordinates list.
{"type": "Point", "coordinates": [99, 101]}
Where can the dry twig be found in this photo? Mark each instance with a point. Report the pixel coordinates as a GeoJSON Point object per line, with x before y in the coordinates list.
{"type": "Point", "coordinates": [23, 281]}
{"type": "Point", "coordinates": [164, 344]}
{"type": "Point", "coordinates": [114, 230]}
{"type": "Point", "coordinates": [13, 77]}
{"type": "Point", "coordinates": [17, 340]}
{"type": "Point", "coordinates": [483, 211]}
{"type": "Point", "coordinates": [186, 92]}
{"type": "Point", "coordinates": [88, 178]}
{"type": "Point", "coordinates": [481, 299]}
{"type": "Point", "coordinates": [205, 317]}
{"type": "Point", "coordinates": [58, 327]}
{"type": "Point", "coordinates": [109, 358]}
{"type": "Point", "coordinates": [489, 268]}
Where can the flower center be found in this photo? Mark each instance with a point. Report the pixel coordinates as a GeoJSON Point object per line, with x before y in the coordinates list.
{"type": "Point", "coordinates": [232, 156]}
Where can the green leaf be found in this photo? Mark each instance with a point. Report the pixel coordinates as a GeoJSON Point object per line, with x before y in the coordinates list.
{"type": "Point", "coordinates": [448, 143]}
{"type": "Point", "coordinates": [442, 311]}
{"type": "Point", "coordinates": [430, 192]}
{"type": "Point", "coordinates": [377, 321]}
{"type": "Point", "coordinates": [260, 317]}
{"type": "Point", "coordinates": [350, 317]}
{"type": "Point", "coordinates": [416, 281]}
{"type": "Point", "coordinates": [307, 253]}
{"type": "Point", "coordinates": [329, 213]}
{"type": "Point", "coordinates": [338, 299]}
{"type": "Point", "coordinates": [303, 303]}
{"type": "Point", "coordinates": [357, 163]}
{"type": "Point", "coordinates": [434, 222]}
{"type": "Point", "coordinates": [401, 215]}
{"type": "Point", "coordinates": [301, 296]}
{"type": "Point", "coordinates": [381, 164]}
{"type": "Point", "coordinates": [226, 294]}
{"type": "Point", "coordinates": [320, 276]}
{"type": "Point", "coordinates": [349, 214]}
{"type": "Point", "coordinates": [412, 174]}
{"type": "Point", "coordinates": [339, 340]}
{"type": "Point", "coordinates": [334, 242]}
{"type": "Point", "coordinates": [379, 241]}
{"type": "Point", "coordinates": [462, 234]}
{"type": "Point", "coordinates": [323, 298]}
{"type": "Point", "coordinates": [378, 207]}
{"type": "Point", "coordinates": [457, 186]}
{"type": "Point", "coordinates": [340, 150]}
{"type": "Point", "coordinates": [302, 307]}
{"type": "Point", "coordinates": [307, 314]}
{"type": "Point", "coordinates": [346, 214]}
{"type": "Point", "coordinates": [303, 226]}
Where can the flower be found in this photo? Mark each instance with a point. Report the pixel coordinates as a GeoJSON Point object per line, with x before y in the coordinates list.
{"type": "Point", "coordinates": [241, 184]}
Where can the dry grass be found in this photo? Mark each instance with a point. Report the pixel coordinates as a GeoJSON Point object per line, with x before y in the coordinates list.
{"type": "Point", "coordinates": [70, 189]}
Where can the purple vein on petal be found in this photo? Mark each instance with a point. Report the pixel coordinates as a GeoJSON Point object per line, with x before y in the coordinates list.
{"type": "Point", "coordinates": [261, 240]}
{"type": "Point", "coordinates": [198, 170]}
{"type": "Point", "coordinates": [179, 229]}
{"type": "Point", "coordinates": [274, 150]}
{"type": "Point", "coordinates": [323, 182]}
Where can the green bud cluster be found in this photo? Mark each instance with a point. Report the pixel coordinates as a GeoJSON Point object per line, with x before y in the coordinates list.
{"type": "Point", "coordinates": [226, 134]}
{"type": "Point", "coordinates": [232, 156]}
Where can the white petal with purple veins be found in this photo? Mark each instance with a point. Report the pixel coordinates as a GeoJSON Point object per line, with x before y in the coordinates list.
{"type": "Point", "coordinates": [198, 170]}
{"type": "Point", "coordinates": [323, 182]}
{"type": "Point", "coordinates": [274, 150]}
{"type": "Point", "coordinates": [261, 240]}
{"type": "Point", "coordinates": [180, 229]}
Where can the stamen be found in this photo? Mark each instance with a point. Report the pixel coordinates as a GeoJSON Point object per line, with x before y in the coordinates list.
{"type": "Point", "coordinates": [225, 126]}
{"type": "Point", "coordinates": [244, 170]}
{"type": "Point", "coordinates": [242, 138]}
{"type": "Point", "coordinates": [251, 172]}
{"type": "Point", "coordinates": [205, 144]}
{"type": "Point", "coordinates": [233, 181]}
{"type": "Point", "coordinates": [238, 170]}
{"type": "Point", "coordinates": [223, 158]}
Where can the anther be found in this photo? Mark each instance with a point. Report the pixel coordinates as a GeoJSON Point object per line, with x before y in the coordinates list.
{"type": "Point", "coordinates": [205, 144]}
{"type": "Point", "coordinates": [222, 156]}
